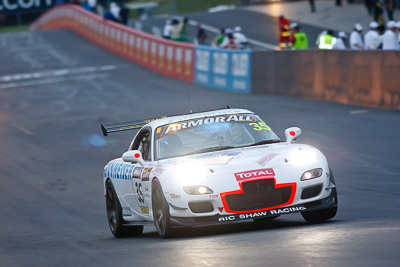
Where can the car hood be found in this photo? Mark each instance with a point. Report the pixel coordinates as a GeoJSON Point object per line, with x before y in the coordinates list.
{"type": "Point", "coordinates": [248, 158]}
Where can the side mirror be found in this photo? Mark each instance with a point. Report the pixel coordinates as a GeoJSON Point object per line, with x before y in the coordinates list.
{"type": "Point", "coordinates": [292, 133]}
{"type": "Point", "coordinates": [133, 156]}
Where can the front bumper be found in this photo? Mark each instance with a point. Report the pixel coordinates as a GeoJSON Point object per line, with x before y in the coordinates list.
{"type": "Point", "coordinates": [328, 202]}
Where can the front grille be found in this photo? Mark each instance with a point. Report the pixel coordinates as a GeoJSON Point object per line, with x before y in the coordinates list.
{"type": "Point", "coordinates": [201, 207]}
{"type": "Point", "coordinates": [310, 192]}
{"type": "Point", "coordinates": [259, 194]}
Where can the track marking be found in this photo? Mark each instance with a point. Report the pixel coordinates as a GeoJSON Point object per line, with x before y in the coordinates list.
{"type": "Point", "coordinates": [50, 80]}
{"type": "Point", "coordinates": [54, 73]}
{"type": "Point", "coordinates": [357, 112]}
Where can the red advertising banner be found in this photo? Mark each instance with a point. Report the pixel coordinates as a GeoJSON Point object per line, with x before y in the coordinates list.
{"type": "Point", "coordinates": [170, 58]}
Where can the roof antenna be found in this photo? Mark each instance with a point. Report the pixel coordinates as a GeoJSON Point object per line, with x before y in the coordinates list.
{"type": "Point", "coordinates": [188, 96]}
{"type": "Point", "coordinates": [227, 106]}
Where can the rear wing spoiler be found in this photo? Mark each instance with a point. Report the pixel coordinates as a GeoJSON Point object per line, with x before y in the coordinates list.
{"type": "Point", "coordinates": [132, 125]}
{"type": "Point", "coordinates": [125, 126]}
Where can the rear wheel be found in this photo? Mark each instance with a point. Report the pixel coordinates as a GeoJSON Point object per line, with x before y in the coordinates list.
{"type": "Point", "coordinates": [161, 211]}
{"type": "Point", "coordinates": [114, 215]}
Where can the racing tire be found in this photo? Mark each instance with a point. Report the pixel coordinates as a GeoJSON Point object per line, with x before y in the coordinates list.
{"type": "Point", "coordinates": [318, 216]}
{"type": "Point", "coordinates": [161, 215]}
{"type": "Point", "coordinates": [114, 215]}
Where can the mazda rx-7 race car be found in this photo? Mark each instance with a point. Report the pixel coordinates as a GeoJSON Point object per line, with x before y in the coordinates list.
{"type": "Point", "coordinates": [213, 167]}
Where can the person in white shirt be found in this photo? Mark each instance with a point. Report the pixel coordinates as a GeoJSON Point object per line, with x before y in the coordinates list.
{"type": "Point", "coordinates": [356, 42]}
{"type": "Point", "coordinates": [340, 41]}
{"type": "Point", "coordinates": [371, 36]}
{"type": "Point", "coordinates": [167, 29]}
{"type": "Point", "coordinates": [240, 37]}
{"type": "Point", "coordinates": [389, 38]}
{"type": "Point", "coordinates": [398, 34]}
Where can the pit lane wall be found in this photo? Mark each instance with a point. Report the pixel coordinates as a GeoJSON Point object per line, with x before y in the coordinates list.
{"type": "Point", "coordinates": [367, 78]}
{"type": "Point", "coordinates": [172, 59]}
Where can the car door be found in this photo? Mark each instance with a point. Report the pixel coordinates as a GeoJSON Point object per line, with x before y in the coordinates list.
{"type": "Point", "coordinates": [141, 174]}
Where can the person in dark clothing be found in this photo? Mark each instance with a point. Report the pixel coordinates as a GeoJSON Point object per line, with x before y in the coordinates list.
{"type": "Point", "coordinates": [201, 35]}
{"type": "Point", "coordinates": [312, 5]}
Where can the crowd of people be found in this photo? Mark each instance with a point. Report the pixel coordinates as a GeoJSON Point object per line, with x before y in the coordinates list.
{"type": "Point", "coordinates": [377, 37]}
{"type": "Point", "coordinates": [112, 11]}
{"type": "Point", "coordinates": [176, 30]}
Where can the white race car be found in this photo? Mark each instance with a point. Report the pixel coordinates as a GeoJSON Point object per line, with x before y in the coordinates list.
{"type": "Point", "coordinates": [213, 167]}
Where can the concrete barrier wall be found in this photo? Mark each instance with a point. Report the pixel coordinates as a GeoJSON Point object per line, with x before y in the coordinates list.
{"type": "Point", "coordinates": [368, 78]}
{"type": "Point", "coordinates": [169, 58]}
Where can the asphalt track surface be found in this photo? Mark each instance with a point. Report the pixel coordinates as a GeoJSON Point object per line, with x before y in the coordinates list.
{"type": "Point", "coordinates": [52, 208]}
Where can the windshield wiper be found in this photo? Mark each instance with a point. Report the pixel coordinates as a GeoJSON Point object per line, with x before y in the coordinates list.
{"type": "Point", "coordinates": [210, 149]}
{"type": "Point", "coordinates": [265, 142]}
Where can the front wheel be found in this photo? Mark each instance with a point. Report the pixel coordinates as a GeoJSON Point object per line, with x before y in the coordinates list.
{"type": "Point", "coordinates": [161, 211]}
{"type": "Point", "coordinates": [317, 216]}
{"type": "Point", "coordinates": [114, 215]}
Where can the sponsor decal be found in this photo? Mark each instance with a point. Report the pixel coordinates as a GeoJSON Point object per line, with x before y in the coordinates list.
{"type": "Point", "coordinates": [267, 213]}
{"type": "Point", "coordinates": [214, 196]}
{"type": "Point", "coordinates": [145, 210]}
{"type": "Point", "coordinates": [179, 126]}
{"type": "Point", "coordinates": [137, 172]}
{"type": "Point", "coordinates": [249, 175]}
{"type": "Point", "coordinates": [121, 171]}
{"type": "Point", "coordinates": [262, 161]}
{"type": "Point", "coordinates": [175, 196]}
{"type": "Point", "coordinates": [146, 174]}
{"type": "Point", "coordinates": [220, 209]}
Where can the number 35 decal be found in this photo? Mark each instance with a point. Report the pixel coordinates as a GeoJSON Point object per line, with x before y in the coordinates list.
{"type": "Point", "coordinates": [139, 192]}
{"type": "Point", "coordinates": [260, 126]}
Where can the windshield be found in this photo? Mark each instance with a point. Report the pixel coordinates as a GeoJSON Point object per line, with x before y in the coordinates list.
{"type": "Point", "coordinates": [211, 134]}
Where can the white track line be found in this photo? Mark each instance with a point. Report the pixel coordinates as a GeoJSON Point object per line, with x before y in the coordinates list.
{"type": "Point", "coordinates": [54, 73]}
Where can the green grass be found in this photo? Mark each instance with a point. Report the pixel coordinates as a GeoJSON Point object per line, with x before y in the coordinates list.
{"type": "Point", "coordinates": [19, 28]}
{"type": "Point", "coordinates": [189, 6]}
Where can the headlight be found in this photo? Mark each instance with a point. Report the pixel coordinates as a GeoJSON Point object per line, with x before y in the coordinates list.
{"type": "Point", "coordinates": [311, 174]}
{"type": "Point", "coordinates": [302, 157]}
{"type": "Point", "coordinates": [197, 190]}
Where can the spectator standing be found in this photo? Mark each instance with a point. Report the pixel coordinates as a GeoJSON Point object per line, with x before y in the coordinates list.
{"type": "Point", "coordinates": [220, 38]}
{"type": "Point", "coordinates": [356, 42]}
{"type": "Point", "coordinates": [183, 34]}
{"type": "Point", "coordinates": [312, 5]}
{"type": "Point", "coordinates": [326, 40]}
{"type": "Point", "coordinates": [124, 14]}
{"type": "Point", "coordinates": [389, 38]}
{"type": "Point", "coordinates": [298, 38]}
{"type": "Point", "coordinates": [115, 11]}
{"type": "Point", "coordinates": [389, 4]}
{"type": "Point", "coordinates": [231, 42]}
{"type": "Point", "coordinates": [240, 38]}
{"type": "Point", "coordinates": [340, 43]}
{"type": "Point", "coordinates": [284, 32]}
{"type": "Point", "coordinates": [371, 36]}
{"type": "Point", "coordinates": [201, 35]}
{"type": "Point", "coordinates": [167, 29]}
{"type": "Point", "coordinates": [176, 29]}
{"type": "Point", "coordinates": [398, 35]}
{"type": "Point", "coordinates": [378, 11]}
